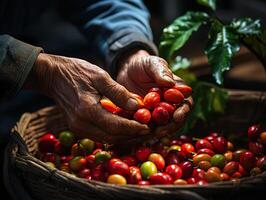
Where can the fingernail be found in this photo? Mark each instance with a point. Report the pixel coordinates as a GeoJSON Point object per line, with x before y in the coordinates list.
{"type": "Point", "coordinates": [145, 132]}
{"type": "Point", "coordinates": [131, 104]}
{"type": "Point", "coordinates": [168, 79]}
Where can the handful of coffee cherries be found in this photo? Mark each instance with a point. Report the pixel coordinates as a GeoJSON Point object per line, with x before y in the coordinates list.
{"type": "Point", "coordinates": [157, 107]}
{"type": "Point", "coordinates": [181, 160]}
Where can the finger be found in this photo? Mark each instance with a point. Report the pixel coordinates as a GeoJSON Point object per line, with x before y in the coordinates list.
{"type": "Point", "coordinates": [181, 113]}
{"type": "Point", "coordinates": [83, 129]}
{"type": "Point", "coordinates": [158, 69]}
{"type": "Point", "coordinates": [114, 124]}
{"type": "Point", "coordinates": [114, 91]}
{"type": "Point", "coordinates": [178, 80]}
{"type": "Point", "coordinates": [87, 130]}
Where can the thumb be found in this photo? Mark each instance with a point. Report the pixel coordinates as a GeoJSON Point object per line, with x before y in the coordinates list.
{"type": "Point", "coordinates": [159, 71]}
{"type": "Point", "coordinates": [115, 92]}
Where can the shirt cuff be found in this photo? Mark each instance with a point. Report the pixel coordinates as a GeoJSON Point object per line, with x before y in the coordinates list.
{"type": "Point", "coordinates": [124, 41]}
{"type": "Point", "coordinates": [17, 59]}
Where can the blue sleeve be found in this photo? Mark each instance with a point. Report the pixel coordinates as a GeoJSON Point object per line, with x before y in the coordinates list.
{"type": "Point", "coordinates": [112, 27]}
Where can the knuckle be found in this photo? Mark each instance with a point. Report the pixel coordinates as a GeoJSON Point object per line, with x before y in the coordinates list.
{"type": "Point", "coordinates": [102, 76]}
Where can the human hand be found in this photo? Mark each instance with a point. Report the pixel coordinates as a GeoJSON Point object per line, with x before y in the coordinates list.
{"type": "Point", "coordinates": [139, 71]}
{"type": "Point", "coordinates": [77, 87]}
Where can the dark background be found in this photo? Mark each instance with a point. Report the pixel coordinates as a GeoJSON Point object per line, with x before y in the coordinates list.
{"type": "Point", "coordinates": [57, 36]}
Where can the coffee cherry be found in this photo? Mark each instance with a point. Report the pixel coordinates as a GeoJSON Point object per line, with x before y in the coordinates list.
{"type": "Point", "coordinates": [201, 157]}
{"type": "Point", "coordinates": [188, 149]}
{"type": "Point", "coordinates": [218, 160]}
{"type": "Point", "coordinates": [206, 151]}
{"type": "Point", "coordinates": [47, 143]}
{"type": "Point", "coordinates": [84, 173]}
{"type": "Point", "coordinates": [88, 144]}
{"type": "Point", "coordinates": [143, 183]}
{"type": "Point", "coordinates": [102, 157]}
{"type": "Point", "coordinates": [263, 137]}
{"type": "Point", "coordinates": [66, 138]}
{"type": "Point", "coordinates": [77, 163]}
{"type": "Point", "coordinates": [203, 144]}
{"type": "Point", "coordinates": [143, 116]}
{"type": "Point", "coordinates": [158, 160]}
{"type": "Point", "coordinates": [174, 171]}
{"type": "Point", "coordinates": [228, 156]}
{"type": "Point", "coordinates": [256, 148]}
{"type": "Point", "coordinates": [134, 175]}
{"type": "Point", "coordinates": [147, 169]}
{"type": "Point", "coordinates": [220, 144]}
{"type": "Point", "coordinates": [118, 167]}
{"type": "Point", "coordinates": [180, 182]}
{"type": "Point", "coordinates": [213, 176]}
{"type": "Point", "coordinates": [116, 179]}
{"type": "Point", "coordinates": [109, 105]}
{"type": "Point", "coordinates": [78, 149]}
{"type": "Point", "coordinates": [253, 132]}
{"type": "Point", "coordinates": [247, 160]}
{"type": "Point", "coordinates": [237, 153]}
{"type": "Point", "coordinates": [170, 108]}
{"type": "Point", "coordinates": [231, 167]}
{"type": "Point", "coordinates": [142, 153]}
{"type": "Point", "coordinates": [160, 116]}
{"type": "Point", "coordinates": [160, 178]}
{"type": "Point", "coordinates": [224, 176]}
{"type": "Point", "coordinates": [184, 89]}
{"type": "Point", "coordinates": [173, 96]}
{"type": "Point", "coordinates": [191, 180]}
{"type": "Point", "coordinates": [175, 157]}
{"type": "Point", "coordinates": [187, 169]}
{"type": "Point", "coordinates": [151, 99]}
{"type": "Point", "coordinates": [205, 165]}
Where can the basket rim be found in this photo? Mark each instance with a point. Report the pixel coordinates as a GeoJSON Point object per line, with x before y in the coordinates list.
{"type": "Point", "coordinates": [26, 117]}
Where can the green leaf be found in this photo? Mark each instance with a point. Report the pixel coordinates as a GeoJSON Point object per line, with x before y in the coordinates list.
{"type": "Point", "coordinates": [179, 63]}
{"type": "Point", "coordinates": [221, 47]}
{"type": "Point", "coordinates": [257, 44]}
{"type": "Point", "coordinates": [209, 101]}
{"type": "Point", "coordinates": [177, 34]}
{"type": "Point", "coordinates": [208, 3]}
{"type": "Point", "coordinates": [246, 26]}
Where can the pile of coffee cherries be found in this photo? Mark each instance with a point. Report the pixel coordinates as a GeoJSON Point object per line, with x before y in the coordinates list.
{"type": "Point", "coordinates": [156, 108]}
{"type": "Point", "coordinates": [181, 160]}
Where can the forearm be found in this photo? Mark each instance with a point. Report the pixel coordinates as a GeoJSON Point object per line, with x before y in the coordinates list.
{"type": "Point", "coordinates": [112, 27]}
{"type": "Point", "coordinates": [16, 61]}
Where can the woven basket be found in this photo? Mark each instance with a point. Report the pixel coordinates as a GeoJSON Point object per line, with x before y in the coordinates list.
{"type": "Point", "coordinates": [28, 178]}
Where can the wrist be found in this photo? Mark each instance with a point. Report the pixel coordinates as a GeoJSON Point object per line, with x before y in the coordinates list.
{"type": "Point", "coordinates": [38, 72]}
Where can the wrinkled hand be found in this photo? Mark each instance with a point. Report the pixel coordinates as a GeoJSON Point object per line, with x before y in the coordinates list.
{"type": "Point", "coordinates": [139, 71]}
{"type": "Point", "coordinates": [77, 86]}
